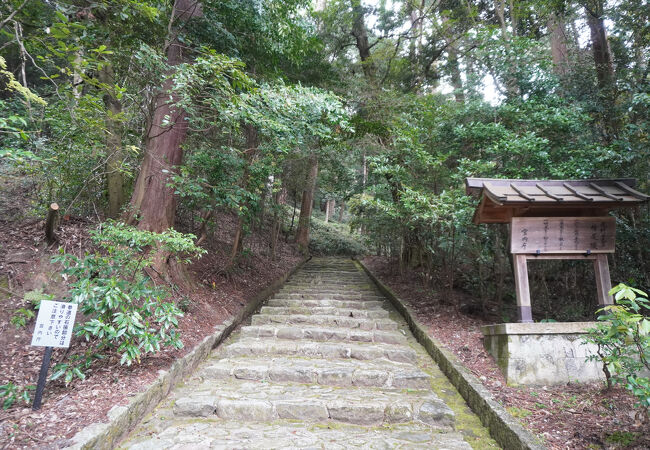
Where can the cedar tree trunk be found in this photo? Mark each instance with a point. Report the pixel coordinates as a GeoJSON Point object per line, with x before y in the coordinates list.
{"type": "Point", "coordinates": [302, 233]}
{"type": "Point", "coordinates": [559, 52]}
{"type": "Point", "coordinates": [115, 155]}
{"type": "Point", "coordinates": [252, 142]}
{"type": "Point", "coordinates": [153, 203]}
{"type": "Point", "coordinates": [360, 34]}
{"type": "Point", "coordinates": [456, 80]}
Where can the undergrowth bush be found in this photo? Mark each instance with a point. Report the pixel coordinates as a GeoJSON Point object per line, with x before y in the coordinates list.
{"type": "Point", "coordinates": [334, 239]}
{"type": "Point", "coordinates": [124, 312]}
{"type": "Point", "coordinates": [623, 342]}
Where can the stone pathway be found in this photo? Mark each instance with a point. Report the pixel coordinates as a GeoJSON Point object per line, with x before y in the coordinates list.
{"type": "Point", "coordinates": [326, 364]}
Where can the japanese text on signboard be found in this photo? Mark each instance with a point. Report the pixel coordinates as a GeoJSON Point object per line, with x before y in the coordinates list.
{"type": "Point", "coordinates": [563, 235]}
{"type": "Point", "coordinates": [54, 324]}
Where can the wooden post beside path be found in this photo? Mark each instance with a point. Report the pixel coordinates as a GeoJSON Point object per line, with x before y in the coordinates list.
{"type": "Point", "coordinates": [50, 223]}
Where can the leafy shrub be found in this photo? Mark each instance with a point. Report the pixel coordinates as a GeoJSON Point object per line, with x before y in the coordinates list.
{"type": "Point", "coordinates": [34, 297]}
{"type": "Point", "coordinates": [21, 317]}
{"type": "Point", "coordinates": [623, 342]}
{"type": "Point", "coordinates": [334, 239]}
{"type": "Point", "coordinates": [10, 392]}
{"type": "Point", "coordinates": [126, 313]}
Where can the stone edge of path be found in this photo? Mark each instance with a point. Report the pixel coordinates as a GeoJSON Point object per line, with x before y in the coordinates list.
{"type": "Point", "coordinates": [122, 419]}
{"type": "Point", "coordinates": [508, 433]}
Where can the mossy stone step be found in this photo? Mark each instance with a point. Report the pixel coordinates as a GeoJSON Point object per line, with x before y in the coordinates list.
{"type": "Point", "coordinates": [330, 321]}
{"type": "Point", "coordinates": [213, 432]}
{"type": "Point", "coordinates": [332, 296]}
{"type": "Point", "coordinates": [383, 373]}
{"type": "Point", "coordinates": [327, 310]}
{"type": "Point", "coordinates": [321, 334]}
{"type": "Point", "coordinates": [314, 349]}
{"type": "Point", "coordinates": [245, 401]}
{"type": "Point", "coordinates": [353, 304]}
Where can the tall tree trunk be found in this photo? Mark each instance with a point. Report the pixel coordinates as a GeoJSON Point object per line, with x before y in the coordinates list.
{"type": "Point", "coordinates": [511, 84]}
{"type": "Point", "coordinates": [330, 206]}
{"type": "Point", "coordinates": [559, 51]}
{"type": "Point", "coordinates": [76, 74]}
{"type": "Point", "coordinates": [206, 215]}
{"type": "Point", "coordinates": [153, 203]}
{"type": "Point", "coordinates": [275, 224]}
{"type": "Point", "coordinates": [115, 155]}
{"type": "Point", "coordinates": [341, 211]}
{"type": "Point", "coordinates": [327, 211]}
{"type": "Point", "coordinates": [302, 233]}
{"type": "Point", "coordinates": [604, 67]}
{"type": "Point", "coordinates": [456, 80]}
{"type": "Point", "coordinates": [252, 142]}
{"type": "Point", "coordinates": [360, 34]}
{"type": "Point", "coordinates": [600, 47]}
{"type": "Point", "coordinates": [364, 170]}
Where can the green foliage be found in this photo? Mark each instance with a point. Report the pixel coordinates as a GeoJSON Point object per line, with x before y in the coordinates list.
{"type": "Point", "coordinates": [289, 122]}
{"type": "Point", "coordinates": [34, 297]}
{"type": "Point", "coordinates": [21, 316]}
{"type": "Point", "coordinates": [10, 393]}
{"type": "Point", "coordinates": [623, 341]}
{"type": "Point", "coordinates": [125, 312]}
{"type": "Point", "coordinates": [624, 438]}
{"type": "Point", "coordinates": [519, 413]}
{"type": "Point", "coordinates": [334, 239]}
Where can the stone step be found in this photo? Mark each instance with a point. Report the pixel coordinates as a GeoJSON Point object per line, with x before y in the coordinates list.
{"type": "Point", "coordinates": [335, 276]}
{"type": "Point", "coordinates": [331, 296]}
{"type": "Point", "coordinates": [314, 349]}
{"type": "Point", "coordinates": [321, 334]}
{"type": "Point", "coordinates": [353, 304]}
{"type": "Point", "coordinates": [330, 321]}
{"type": "Point", "coordinates": [315, 284]}
{"type": "Point", "coordinates": [326, 310]}
{"type": "Point", "coordinates": [246, 402]}
{"type": "Point", "coordinates": [324, 273]}
{"type": "Point", "coordinates": [378, 374]}
{"type": "Point", "coordinates": [217, 433]}
{"type": "Point", "coordinates": [330, 290]}
{"type": "Point", "coordinates": [330, 284]}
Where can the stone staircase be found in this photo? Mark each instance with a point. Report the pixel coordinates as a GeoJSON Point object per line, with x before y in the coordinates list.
{"type": "Point", "coordinates": [325, 364]}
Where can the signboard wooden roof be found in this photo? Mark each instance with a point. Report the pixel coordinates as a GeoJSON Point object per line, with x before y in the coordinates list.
{"type": "Point", "coordinates": [502, 199]}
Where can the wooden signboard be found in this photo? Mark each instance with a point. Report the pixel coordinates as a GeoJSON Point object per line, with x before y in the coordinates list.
{"type": "Point", "coordinates": [541, 238]}
{"type": "Point", "coordinates": [562, 235]}
{"type": "Point", "coordinates": [556, 219]}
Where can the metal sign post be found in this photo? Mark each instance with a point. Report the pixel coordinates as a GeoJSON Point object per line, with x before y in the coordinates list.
{"type": "Point", "coordinates": [53, 329]}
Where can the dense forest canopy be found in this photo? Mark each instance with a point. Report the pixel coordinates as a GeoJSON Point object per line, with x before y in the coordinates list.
{"type": "Point", "coordinates": [163, 112]}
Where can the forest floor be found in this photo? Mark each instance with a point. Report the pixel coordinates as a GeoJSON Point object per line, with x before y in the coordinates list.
{"type": "Point", "coordinates": [573, 416]}
{"type": "Point", "coordinates": [25, 266]}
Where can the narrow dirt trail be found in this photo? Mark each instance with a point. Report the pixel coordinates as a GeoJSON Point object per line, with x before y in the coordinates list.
{"type": "Point", "coordinates": [326, 364]}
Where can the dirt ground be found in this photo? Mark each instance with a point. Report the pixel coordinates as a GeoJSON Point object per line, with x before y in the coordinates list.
{"type": "Point", "coordinates": [25, 266]}
{"type": "Point", "coordinates": [574, 416]}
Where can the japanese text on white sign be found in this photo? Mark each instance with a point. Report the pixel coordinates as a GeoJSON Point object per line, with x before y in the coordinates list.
{"type": "Point", "coordinates": [54, 324]}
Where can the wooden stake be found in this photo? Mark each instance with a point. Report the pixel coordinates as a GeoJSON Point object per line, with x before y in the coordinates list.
{"type": "Point", "coordinates": [523, 291]}
{"type": "Point", "coordinates": [603, 282]}
{"type": "Point", "coordinates": [50, 223]}
{"type": "Point", "coordinates": [42, 378]}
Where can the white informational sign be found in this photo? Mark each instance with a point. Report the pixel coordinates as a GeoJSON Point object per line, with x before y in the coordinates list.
{"type": "Point", "coordinates": [54, 324]}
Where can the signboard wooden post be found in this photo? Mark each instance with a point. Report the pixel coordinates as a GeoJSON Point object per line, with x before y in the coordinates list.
{"type": "Point", "coordinates": [53, 328]}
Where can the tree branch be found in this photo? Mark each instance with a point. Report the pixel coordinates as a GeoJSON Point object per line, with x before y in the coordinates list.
{"type": "Point", "coordinates": [12, 15]}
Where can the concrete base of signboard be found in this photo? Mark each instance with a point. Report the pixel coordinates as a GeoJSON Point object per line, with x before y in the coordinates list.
{"type": "Point", "coordinates": [122, 419]}
{"type": "Point", "coordinates": [542, 353]}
